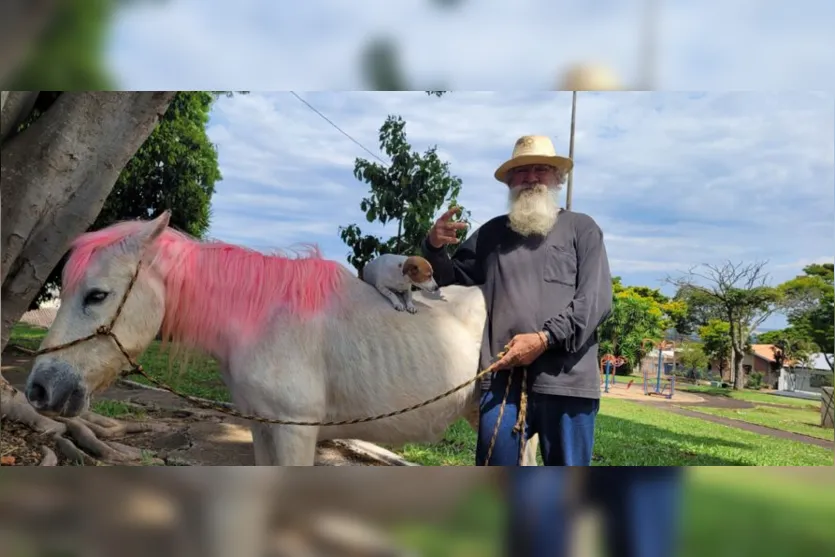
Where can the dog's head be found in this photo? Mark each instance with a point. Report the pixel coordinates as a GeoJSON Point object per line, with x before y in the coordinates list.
{"type": "Point", "coordinates": [419, 271]}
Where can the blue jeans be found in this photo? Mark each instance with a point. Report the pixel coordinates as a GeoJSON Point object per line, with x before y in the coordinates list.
{"type": "Point", "coordinates": [640, 509]}
{"type": "Point", "coordinates": [565, 425]}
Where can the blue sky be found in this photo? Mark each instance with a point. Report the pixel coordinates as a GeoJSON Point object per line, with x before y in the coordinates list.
{"type": "Point", "coordinates": [479, 45]}
{"type": "Point", "coordinates": [674, 179]}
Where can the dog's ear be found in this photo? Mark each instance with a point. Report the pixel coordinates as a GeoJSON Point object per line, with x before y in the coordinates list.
{"type": "Point", "coordinates": [409, 267]}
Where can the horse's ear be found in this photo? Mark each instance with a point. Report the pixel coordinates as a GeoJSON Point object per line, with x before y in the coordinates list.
{"type": "Point", "coordinates": [150, 231]}
{"type": "Point", "coordinates": [158, 225]}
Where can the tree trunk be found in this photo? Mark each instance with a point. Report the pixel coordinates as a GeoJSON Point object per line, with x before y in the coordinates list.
{"type": "Point", "coordinates": [15, 106]}
{"type": "Point", "coordinates": [737, 354]}
{"type": "Point", "coordinates": [55, 177]}
{"type": "Point", "coordinates": [739, 373]}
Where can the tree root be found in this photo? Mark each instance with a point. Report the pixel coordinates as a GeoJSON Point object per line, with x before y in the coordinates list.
{"type": "Point", "coordinates": [49, 457]}
{"type": "Point", "coordinates": [108, 428]}
{"type": "Point", "coordinates": [87, 439]}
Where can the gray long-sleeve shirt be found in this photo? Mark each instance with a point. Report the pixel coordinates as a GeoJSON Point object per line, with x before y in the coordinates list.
{"type": "Point", "coordinates": [561, 284]}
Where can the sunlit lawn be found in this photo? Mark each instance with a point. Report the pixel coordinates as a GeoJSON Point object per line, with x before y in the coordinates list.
{"type": "Point", "coordinates": [631, 434]}
{"type": "Point", "coordinates": [796, 420]}
{"type": "Point", "coordinates": [749, 395]}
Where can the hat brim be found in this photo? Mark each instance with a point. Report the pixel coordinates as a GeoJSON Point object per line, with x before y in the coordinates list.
{"type": "Point", "coordinates": [563, 163]}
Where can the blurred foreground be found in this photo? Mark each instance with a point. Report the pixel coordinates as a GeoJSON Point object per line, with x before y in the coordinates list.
{"type": "Point", "coordinates": [248, 512]}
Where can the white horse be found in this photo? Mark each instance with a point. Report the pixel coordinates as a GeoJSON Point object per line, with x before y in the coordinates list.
{"type": "Point", "coordinates": [296, 338]}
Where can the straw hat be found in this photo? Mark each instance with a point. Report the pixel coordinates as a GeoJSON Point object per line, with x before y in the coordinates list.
{"type": "Point", "coordinates": [533, 149]}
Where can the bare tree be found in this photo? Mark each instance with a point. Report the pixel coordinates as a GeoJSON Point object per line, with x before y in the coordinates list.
{"type": "Point", "coordinates": [740, 294]}
{"type": "Point", "coordinates": [55, 175]}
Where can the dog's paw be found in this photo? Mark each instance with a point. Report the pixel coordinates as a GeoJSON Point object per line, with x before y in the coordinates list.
{"type": "Point", "coordinates": [411, 309]}
{"type": "Point", "coordinates": [399, 307]}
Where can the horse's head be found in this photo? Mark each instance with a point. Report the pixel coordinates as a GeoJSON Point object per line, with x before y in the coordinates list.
{"type": "Point", "coordinates": [97, 278]}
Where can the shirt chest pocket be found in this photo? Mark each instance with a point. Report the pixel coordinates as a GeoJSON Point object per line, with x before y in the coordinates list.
{"type": "Point", "coordinates": [560, 265]}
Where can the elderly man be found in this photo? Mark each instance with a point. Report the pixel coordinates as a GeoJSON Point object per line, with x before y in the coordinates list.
{"type": "Point", "coordinates": [545, 276]}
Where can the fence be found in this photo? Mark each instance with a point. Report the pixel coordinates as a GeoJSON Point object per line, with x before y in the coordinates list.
{"type": "Point", "coordinates": [805, 380]}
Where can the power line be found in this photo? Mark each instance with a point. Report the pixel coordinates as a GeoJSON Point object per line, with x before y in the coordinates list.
{"type": "Point", "coordinates": [346, 134]}
{"type": "Point", "coordinates": [343, 132]}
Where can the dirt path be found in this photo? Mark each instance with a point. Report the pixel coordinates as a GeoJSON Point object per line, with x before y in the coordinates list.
{"type": "Point", "coordinates": [198, 437]}
{"type": "Point", "coordinates": [738, 424]}
{"type": "Point", "coordinates": [682, 400]}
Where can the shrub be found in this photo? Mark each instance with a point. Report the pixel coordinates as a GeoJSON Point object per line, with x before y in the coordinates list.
{"type": "Point", "coordinates": [755, 380]}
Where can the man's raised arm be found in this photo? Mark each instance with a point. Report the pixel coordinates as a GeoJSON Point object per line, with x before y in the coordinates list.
{"type": "Point", "coordinates": [464, 267]}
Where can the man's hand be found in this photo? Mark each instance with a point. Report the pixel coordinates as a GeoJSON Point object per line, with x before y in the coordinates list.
{"type": "Point", "coordinates": [444, 232]}
{"type": "Point", "coordinates": [522, 350]}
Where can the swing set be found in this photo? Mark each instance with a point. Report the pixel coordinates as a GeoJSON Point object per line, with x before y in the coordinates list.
{"type": "Point", "coordinates": [662, 387]}
{"type": "Point", "coordinates": [609, 363]}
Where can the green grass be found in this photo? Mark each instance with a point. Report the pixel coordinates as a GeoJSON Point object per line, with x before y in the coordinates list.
{"type": "Point", "coordinates": [200, 377]}
{"type": "Point", "coordinates": [457, 448]}
{"type": "Point", "coordinates": [631, 434]}
{"type": "Point", "coordinates": [749, 395]}
{"type": "Point", "coordinates": [725, 513]}
{"type": "Point", "coordinates": [27, 336]}
{"type": "Point", "coordinates": [802, 421]}
{"type": "Point", "coordinates": [628, 433]}
{"type": "Point", "coordinates": [118, 409]}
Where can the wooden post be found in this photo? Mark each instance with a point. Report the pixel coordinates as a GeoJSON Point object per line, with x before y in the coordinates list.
{"type": "Point", "coordinates": [568, 188]}
{"type": "Point", "coordinates": [827, 408]}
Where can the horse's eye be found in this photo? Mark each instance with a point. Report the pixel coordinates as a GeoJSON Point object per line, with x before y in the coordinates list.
{"type": "Point", "coordinates": [94, 297]}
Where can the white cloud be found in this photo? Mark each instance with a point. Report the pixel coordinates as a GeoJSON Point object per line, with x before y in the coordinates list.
{"type": "Point", "coordinates": [673, 179]}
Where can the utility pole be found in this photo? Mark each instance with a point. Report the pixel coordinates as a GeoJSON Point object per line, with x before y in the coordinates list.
{"type": "Point", "coordinates": [647, 50]}
{"type": "Point", "coordinates": [568, 189]}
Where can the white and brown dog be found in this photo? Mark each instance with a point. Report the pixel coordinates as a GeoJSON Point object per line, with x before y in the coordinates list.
{"type": "Point", "coordinates": [394, 275]}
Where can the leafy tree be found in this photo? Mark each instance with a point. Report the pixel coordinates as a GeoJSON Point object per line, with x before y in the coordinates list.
{"type": "Point", "coordinates": [716, 342]}
{"type": "Point", "coordinates": [409, 191]}
{"type": "Point", "coordinates": [810, 307]}
{"type": "Point", "coordinates": [692, 358]}
{"type": "Point", "coordinates": [701, 309]}
{"type": "Point", "coordinates": [176, 168]}
{"type": "Point", "coordinates": [792, 347]}
{"type": "Point", "coordinates": [740, 294]}
{"type": "Point", "coordinates": [638, 312]}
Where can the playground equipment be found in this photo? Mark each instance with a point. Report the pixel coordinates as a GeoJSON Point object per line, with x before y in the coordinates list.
{"type": "Point", "coordinates": [668, 388]}
{"type": "Point", "coordinates": [610, 362]}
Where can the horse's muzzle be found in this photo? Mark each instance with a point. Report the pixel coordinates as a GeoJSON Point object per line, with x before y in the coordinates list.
{"type": "Point", "coordinates": [54, 387]}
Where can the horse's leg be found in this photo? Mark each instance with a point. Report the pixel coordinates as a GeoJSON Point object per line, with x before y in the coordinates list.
{"type": "Point", "coordinates": [292, 445]}
{"type": "Point", "coordinates": [274, 444]}
{"type": "Point", "coordinates": [262, 442]}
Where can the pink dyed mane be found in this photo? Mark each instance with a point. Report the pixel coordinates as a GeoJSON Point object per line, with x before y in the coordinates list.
{"type": "Point", "coordinates": [212, 287]}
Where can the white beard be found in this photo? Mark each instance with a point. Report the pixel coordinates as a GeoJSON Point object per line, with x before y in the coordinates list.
{"type": "Point", "coordinates": [533, 210]}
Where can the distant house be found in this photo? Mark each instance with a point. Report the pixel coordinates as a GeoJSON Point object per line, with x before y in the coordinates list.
{"type": "Point", "coordinates": [761, 359]}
